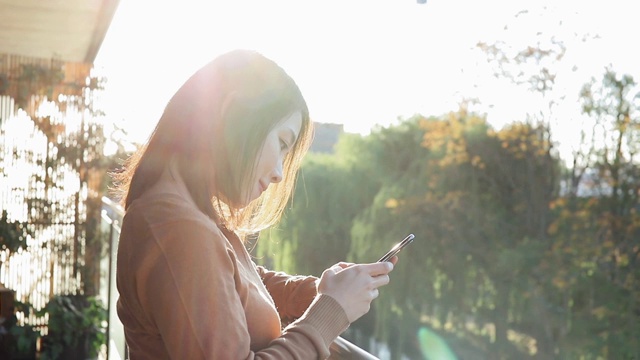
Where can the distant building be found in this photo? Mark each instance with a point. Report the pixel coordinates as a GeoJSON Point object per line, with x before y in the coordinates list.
{"type": "Point", "coordinates": [326, 137]}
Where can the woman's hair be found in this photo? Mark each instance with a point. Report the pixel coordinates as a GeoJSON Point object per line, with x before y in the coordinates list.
{"type": "Point", "coordinates": [215, 126]}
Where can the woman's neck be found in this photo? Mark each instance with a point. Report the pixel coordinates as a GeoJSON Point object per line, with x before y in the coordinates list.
{"type": "Point", "coordinates": [171, 181]}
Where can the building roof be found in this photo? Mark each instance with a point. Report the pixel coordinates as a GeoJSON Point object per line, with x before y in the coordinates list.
{"type": "Point", "coordinates": [67, 30]}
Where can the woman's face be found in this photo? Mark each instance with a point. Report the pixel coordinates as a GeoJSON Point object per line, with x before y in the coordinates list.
{"type": "Point", "coordinates": [278, 143]}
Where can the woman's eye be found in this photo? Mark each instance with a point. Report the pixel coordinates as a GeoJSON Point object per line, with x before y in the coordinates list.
{"type": "Point", "coordinates": [283, 145]}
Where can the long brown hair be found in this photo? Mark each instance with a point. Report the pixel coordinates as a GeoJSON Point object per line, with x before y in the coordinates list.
{"type": "Point", "coordinates": [215, 126]}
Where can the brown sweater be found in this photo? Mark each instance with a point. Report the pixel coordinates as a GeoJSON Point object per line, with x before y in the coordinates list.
{"type": "Point", "coordinates": [189, 290]}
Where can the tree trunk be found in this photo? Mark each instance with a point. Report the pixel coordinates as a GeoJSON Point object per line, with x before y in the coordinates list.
{"type": "Point", "coordinates": [501, 322]}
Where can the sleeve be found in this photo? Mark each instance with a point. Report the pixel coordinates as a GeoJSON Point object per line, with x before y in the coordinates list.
{"type": "Point", "coordinates": [191, 297]}
{"type": "Point", "coordinates": [292, 294]}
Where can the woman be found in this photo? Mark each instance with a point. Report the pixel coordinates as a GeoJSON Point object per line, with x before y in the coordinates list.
{"type": "Point", "coordinates": [220, 165]}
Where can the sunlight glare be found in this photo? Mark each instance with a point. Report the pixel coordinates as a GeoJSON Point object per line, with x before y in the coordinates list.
{"type": "Point", "coordinates": [361, 63]}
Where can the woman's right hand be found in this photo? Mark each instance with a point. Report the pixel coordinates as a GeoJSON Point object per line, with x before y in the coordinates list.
{"type": "Point", "coordinates": [354, 286]}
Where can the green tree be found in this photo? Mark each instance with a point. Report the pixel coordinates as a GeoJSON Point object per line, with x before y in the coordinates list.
{"type": "Point", "coordinates": [478, 202]}
{"type": "Point", "coordinates": [597, 229]}
{"type": "Point", "coordinates": [593, 237]}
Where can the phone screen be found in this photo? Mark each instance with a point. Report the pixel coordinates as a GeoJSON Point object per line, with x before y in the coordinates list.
{"type": "Point", "coordinates": [397, 247]}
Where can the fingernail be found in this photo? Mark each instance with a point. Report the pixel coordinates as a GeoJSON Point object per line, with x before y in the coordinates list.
{"type": "Point", "coordinates": [390, 265]}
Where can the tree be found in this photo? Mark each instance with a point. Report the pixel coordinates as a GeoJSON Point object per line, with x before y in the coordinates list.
{"type": "Point", "coordinates": [481, 206]}
{"type": "Point", "coordinates": [593, 237]}
{"type": "Point", "coordinates": [598, 226]}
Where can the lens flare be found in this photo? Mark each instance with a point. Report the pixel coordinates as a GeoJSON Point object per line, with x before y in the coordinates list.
{"type": "Point", "coordinates": [434, 347]}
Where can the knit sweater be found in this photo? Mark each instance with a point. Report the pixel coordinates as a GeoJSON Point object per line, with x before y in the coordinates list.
{"type": "Point", "coordinates": [188, 289]}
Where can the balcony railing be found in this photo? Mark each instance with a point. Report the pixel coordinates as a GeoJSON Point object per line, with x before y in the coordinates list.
{"type": "Point", "coordinates": [111, 219]}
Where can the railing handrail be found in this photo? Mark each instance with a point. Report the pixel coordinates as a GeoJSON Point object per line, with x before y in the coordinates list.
{"type": "Point", "coordinates": [112, 214]}
{"type": "Point", "coordinates": [113, 205]}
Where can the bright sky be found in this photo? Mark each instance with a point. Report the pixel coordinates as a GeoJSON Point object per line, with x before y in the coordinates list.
{"type": "Point", "coordinates": [359, 62]}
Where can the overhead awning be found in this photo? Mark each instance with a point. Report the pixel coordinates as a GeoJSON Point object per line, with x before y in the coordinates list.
{"type": "Point", "coordinates": [66, 30]}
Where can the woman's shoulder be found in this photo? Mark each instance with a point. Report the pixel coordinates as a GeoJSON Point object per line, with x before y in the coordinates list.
{"type": "Point", "coordinates": [168, 210]}
{"type": "Point", "coordinates": [167, 201]}
{"type": "Point", "coordinates": [172, 224]}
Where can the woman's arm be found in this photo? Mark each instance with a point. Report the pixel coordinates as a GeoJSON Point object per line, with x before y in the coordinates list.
{"type": "Point", "coordinates": [292, 294]}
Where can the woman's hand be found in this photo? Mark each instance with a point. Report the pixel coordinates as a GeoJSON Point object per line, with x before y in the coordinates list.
{"type": "Point", "coordinates": [354, 286]}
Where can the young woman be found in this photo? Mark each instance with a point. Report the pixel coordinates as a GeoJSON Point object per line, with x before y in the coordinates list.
{"type": "Point", "coordinates": [221, 165]}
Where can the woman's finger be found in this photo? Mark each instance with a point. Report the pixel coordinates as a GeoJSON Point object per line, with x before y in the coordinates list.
{"type": "Point", "coordinates": [336, 268]}
{"type": "Point", "coordinates": [378, 268]}
{"type": "Point", "coordinates": [380, 280]}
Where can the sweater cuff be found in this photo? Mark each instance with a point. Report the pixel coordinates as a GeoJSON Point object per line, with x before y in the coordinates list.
{"type": "Point", "coordinates": [327, 316]}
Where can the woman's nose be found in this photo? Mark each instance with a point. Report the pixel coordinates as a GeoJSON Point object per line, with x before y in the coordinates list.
{"type": "Point", "coordinates": [276, 175]}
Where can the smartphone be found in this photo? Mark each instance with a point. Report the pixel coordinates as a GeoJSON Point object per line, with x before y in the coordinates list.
{"type": "Point", "coordinates": [397, 247]}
